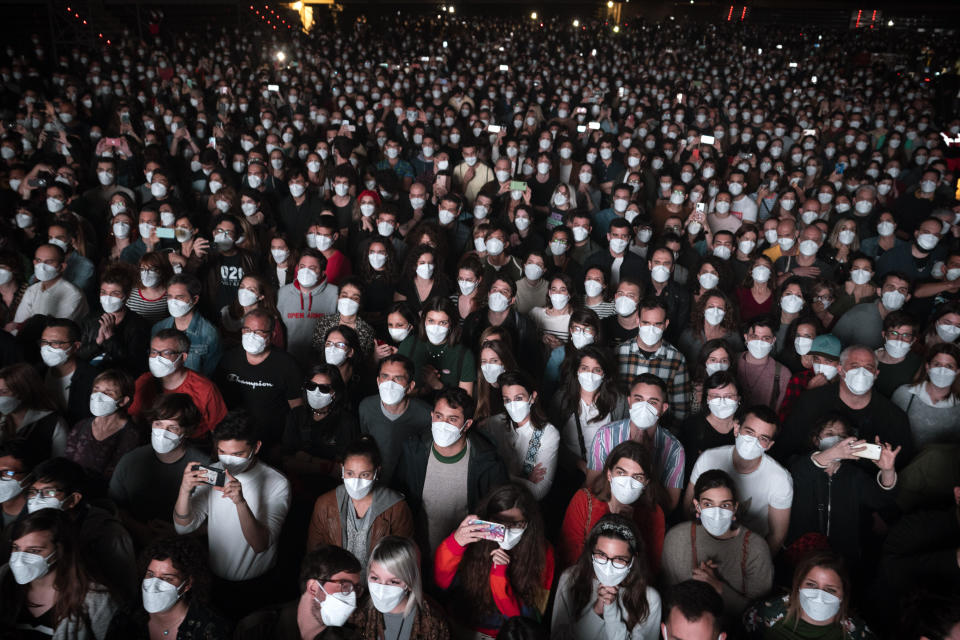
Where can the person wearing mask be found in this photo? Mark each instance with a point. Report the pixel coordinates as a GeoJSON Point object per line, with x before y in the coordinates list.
{"type": "Point", "coordinates": [608, 592]}
{"type": "Point", "coordinates": [323, 236]}
{"type": "Point", "coordinates": [617, 259]}
{"type": "Point", "coordinates": [502, 313]}
{"type": "Point", "coordinates": [648, 404]}
{"type": "Point", "coordinates": [526, 441]}
{"type": "Point", "coordinates": [871, 414]}
{"type": "Point", "coordinates": [28, 413]}
{"type": "Point", "coordinates": [627, 485]}
{"type": "Point", "coordinates": [714, 318]}
{"type": "Point", "coordinates": [675, 299]}
{"type": "Point", "coordinates": [44, 560]}
{"type": "Point", "coordinates": [717, 550]}
{"type": "Point", "coordinates": [932, 402]}
{"type": "Point", "coordinates": [149, 299]}
{"type": "Point", "coordinates": [651, 353]}
{"type": "Point", "coordinates": [168, 350]}
{"type": "Point", "coordinates": [259, 378]}
{"type": "Point", "coordinates": [301, 208]}
{"type": "Point", "coordinates": [817, 606]}
{"type": "Point", "coordinates": [330, 579]}
{"type": "Point", "coordinates": [183, 296]}
{"type": "Point", "coordinates": [225, 267]}
{"type": "Point", "coordinates": [820, 368]}
{"type": "Point", "coordinates": [830, 495]}
{"type": "Point", "coordinates": [915, 259]}
{"type": "Point", "coordinates": [104, 546]}
{"type": "Point", "coordinates": [398, 609]}
{"type": "Point", "coordinates": [440, 358]}
{"type": "Point", "coordinates": [67, 378]}
{"type": "Point", "coordinates": [488, 578]}
{"type": "Point", "coordinates": [756, 476]}
{"type": "Point", "coordinates": [713, 425]}
{"type": "Point", "coordinates": [755, 296]}
{"type": "Point", "coordinates": [621, 328]}
{"type": "Point", "coordinates": [395, 414]}
{"type": "Point", "coordinates": [348, 313]}
{"type": "Point", "coordinates": [302, 302]}
{"type": "Point", "coordinates": [244, 503]}
{"type": "Point", "coordinates": [98, 443]}
{"type": "Point", "coordinates": [146, 481]}
{"type": "Point", "coordinates": [77, 268]}
{"type": "Point", "coordinates": [173, 596]}
{"type": "Point", "coordinates": [51, 294]}
{"type": "Point", "coordinates": [471, 174]}
{"type": "Point", "coordinates": [692, 611]}
{"type": "Point", "coordinates": [359, 513]}
{"type": "Point", "coordinates": [116, 337]}
{"type": "Point", "coordinates": [863, 324]}
{"type": "Point", "coordinates": [763, 379]}
{"type": "Point", "coordinates": [445, 473]}
{"type": "Point", "coordinates": [898, 362]}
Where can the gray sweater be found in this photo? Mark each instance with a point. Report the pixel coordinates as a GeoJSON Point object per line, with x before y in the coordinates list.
{"type": "Point", "coordinates": [928, 424]}
{"type": "Point", "coordinates": [300, 311]}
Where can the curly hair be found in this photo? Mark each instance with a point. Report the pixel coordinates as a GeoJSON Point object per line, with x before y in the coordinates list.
{"type": "Point", "coordinates": [187, 556]}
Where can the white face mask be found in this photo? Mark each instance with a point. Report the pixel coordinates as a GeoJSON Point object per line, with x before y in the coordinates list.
{"type": "Point", "coordinates": [102, 405]}
{"type": "Point", "coordinates": [386, 597]}
{"type": "Point", "coordinates": [178, 308]}
{"type": "Point", "coordinates": [860, 276]}
{"type": "Point", "coordinates": [518, 410]}
{"type": "Point", "coordinates": [53, 357]}
{"type": "Point", "coordinates": [609, 575]}
{"type": "Point", "coordinates": [791, 303]}
{"type": "Point", "coordinates": [941, 377]}
{"type": "Point", "coordinates": [235, 464]}
{"type": "Point", "coordinates": [498, 302]}
{"type": "Point", "coordinates": [896, 348]}
{"type": "Point", "coordinates": [158, 595]}
{"type": "Point", "coordinates": [337, 608]}
{"type": "Point", "coordinates": [347, 307]}
{"type": "Point", "coordinates": [164, 441]}
{"type": "Point", "coordinates": [391, 392]}
{"type": "Point", "coordinates": [45, 272]}
{"type": "Point", "coordinates": [760, 273]}
{"type": "Point", "coordinates": [829, 371]}
{"type": "Point", "coordinates": [335, 355]}
{"type": "Point", "coordinates": [802, 345]}
{"type": "Point", "coordinates": [713, 367]}
{"type": "Point", "coordinates": [27, 567]}
{"type": "Point", "coordinates": [398, 335]}
{"type": "Point", "coordinates": [859, 381]}
{"type": "Point", "coordinates": [748, 447]}
{"type": "Point", "coordinates": [643, 414]}
{"type": "Point", "coordinates": [425, 270]}
{"type": "Point", "coordinates": [818, 604]}
{"type": "Point", "coordinates": [722, 408]}
{"type": "Point", "coordinates": [511, 538]}
{"type": "Point", "coordinates": [491, 372]}
{"type": "Point", "coordinates": [589, 381]}
{"type": "Point", "coordinates": [759, 349]}
{"type": "Point", "coordinates": [947, 332]}
{"type": "Point", "coordinates": [716, 520]}
{"type": "Point", "coordinates": [714, 315]}
{"type": "Point", "coordinates": [358, 488]}
{"type": "Point", "coordinates": [649, 334]}
{"type": "Point", "coordinates": [161, 367]}
{"type": "Point", "coordinates": [436, 333]}
{"type": "Point", "coordinates": [660, 274]}
{"type": "Point", "coordinates": [253, 344]}
{"type": "Point", "coordinates": [708, 280]}
{"type": "Point", "coordinates": [444, 434]}
{"type": "Point", "coordinates": [892, 300]}
{"type": "Point", "coordinates": [625, 489]}
{"type": "Point", "coordinates": [307, 278]}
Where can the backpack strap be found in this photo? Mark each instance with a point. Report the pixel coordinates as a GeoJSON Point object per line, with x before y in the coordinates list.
{"type": "Point", "coordinates": [775, 392]}
{"type": "Point", "coordinates": [743, 561]}
{"type": "Point", "coordinates": [693, 543]}
{"type": "Point", "coordinates": [583, 444]}
{"type": "Point", "coordinates": [586, 524]}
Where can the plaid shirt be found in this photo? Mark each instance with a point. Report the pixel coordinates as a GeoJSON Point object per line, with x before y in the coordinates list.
{"type": "Point", "coordinates": [798, 384]}
{"type": "Point", "coordinates": [668, 453]}
{"type": "Point", "coordinates": [667, 363]}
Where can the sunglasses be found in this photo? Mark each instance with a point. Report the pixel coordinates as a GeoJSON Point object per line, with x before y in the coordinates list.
{"type": "Point", "coordinates": [316, 386]}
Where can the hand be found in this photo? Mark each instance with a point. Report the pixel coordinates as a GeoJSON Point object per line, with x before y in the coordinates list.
{"type": "Point", "coordinates": [527, 195]}
{"type": "Point", "coordinates": [888, 455]}
{"type": "Point", "coordinates": [707, 572]}
{"type": "Point", "coordinates": [191, 478]}
{"type": "Point", "coordinates": [552, 341]}
{"type": "Point", "coordinates": [806, 272]}
{"type": "Point", "coordinates": [605, 596]}
{"type": "Point", "coordinates": [381, 351]}
{"type": "Point", "coordinates": [200, 247]}
{"type": "Point", "coordinates": [438, 190]}
{"type": "Point", "coordinates": [469, 174]}
{"type": "Point", "coordinates": [843, 450]}
{"type": "Point", "coordinates": [108, 326]}
{"type": "Point", "coordinates": [538, 473]}
{"type": "Point", "coordinates": [817, 381]}
{"type": "Point", "coordinates": [504, 188]}
{"type": "Point", "coordinates": [367, 224]}
{"type": "Point", "coordinates": [176, 258]}
{"type": "Point", "coordinates": [233, 490]}
{"type": "Point", "coordinates": [432, 377]}
{"type": "Point", "coordinates": [467, 532]}
{"type": "Point", "coordinates": [500, 557]}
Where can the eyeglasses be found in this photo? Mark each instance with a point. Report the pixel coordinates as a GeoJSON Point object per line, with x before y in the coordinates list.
{"type": "Point", "coordinates": [318, 386]}
{"type": "Point", "coordinates": [166, 353]}
{"type": "Point", "coordinates": [260, 332]}
{"type": "Point", "coordinates": [619, 562]}
{"type": "Point", "coordinates": [56, 344]}
{"type": "Point", "coordinates": [343, 586]}
{"type": "Point", "coordinates": [516, 524]}
{"type": "Point", "coordinates": [764, 440]}
{"type": "Point", "coordinates": [907, 337]}
{"type": "Point", "coordinates": [337, 345]}
{"type": "Point", "coordinates": [50, 492]}
{"type": "Point", "coordinates": [8, 474]}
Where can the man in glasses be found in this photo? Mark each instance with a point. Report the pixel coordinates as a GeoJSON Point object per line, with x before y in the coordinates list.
{"type": "Point", "coordinates": [168, 351]}
{"type": "Point", "coordinates": [330, 586]}
{"type": "Point", "coordinates": [259, 378]}
{"type": "Point", "coordinates": [68, 379]}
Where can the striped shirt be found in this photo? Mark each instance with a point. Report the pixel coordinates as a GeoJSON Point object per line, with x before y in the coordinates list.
{"type": "Point", "coordinates": [668, 453]}
{"type": "Point", "coordinates": [667, 363]}
{"type": "Point", "coordinates": [603, 309]}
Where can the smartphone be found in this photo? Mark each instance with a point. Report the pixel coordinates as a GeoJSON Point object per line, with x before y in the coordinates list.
{"type": "Point", "coordinates": [424, 58]}
{"type": "Point", "coordinates": [841, 167]}
{"type": "Point", "coordinates": [810, 132]}
{"type": "Point", "coordinates": [701, 207]}
{"type": "Point", "coordinates": [707, 140]}
{"type": "Point", "coordinates": [593, 125]}
{"type": "Point", "coordinates": [125, 118]}
{"type": "Point", "coordinates": [212, 142]}
{"type": "Point", "coordinates": [164, 233]}
{"type": "Point", "coordinates": [792, 65]}
{"type": "Point", "coordinates": [869, 451]}
{"type": "Point", "coordinates": [214, 477]}
{"type": "Point", "coordinates": [491, 530]}
{"type": "Point", "coordinates": [493, 128]}
{"type": "Point", "coordinates": [273, 87]}
{"type": "Point", "coordinates": [580, 110]}
{"type": "Point", "coordinates": [113, 142]}
{"type": "Point", "coordinates": [679, 97]}
{"type": "Point", "coordinates": [581, 129]}
{"type": "Point", "coordinates": [517, 185]}
{"type": "Point", "coordinates": [747, 156]}
{"type": "Point", "coordinates": [224, 91]}
{"type": "Point", "coordinates": [504, 67]}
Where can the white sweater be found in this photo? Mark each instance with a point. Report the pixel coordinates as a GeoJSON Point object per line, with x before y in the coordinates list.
{"type": "Point", "coordinates": [568, 624]}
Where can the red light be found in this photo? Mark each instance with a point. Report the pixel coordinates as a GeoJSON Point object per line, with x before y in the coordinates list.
{"type": "Point", "coordinates": [873, 18]}
{"type": "Point", "coordinates": [730, 13]}
{"type": "Point", "coordinates": [859, 13]}
{"type": "Point", "coordinates": [926, 79]}
{"type": "Point", "coordinates": [743, 14]}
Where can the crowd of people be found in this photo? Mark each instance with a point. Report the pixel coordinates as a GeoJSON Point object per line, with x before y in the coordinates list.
{"type": "Point", "coordinates": [472, 328]}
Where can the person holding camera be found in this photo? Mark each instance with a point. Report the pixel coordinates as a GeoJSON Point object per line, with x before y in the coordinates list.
{"type": "Point", "coordinates": [244, 503]}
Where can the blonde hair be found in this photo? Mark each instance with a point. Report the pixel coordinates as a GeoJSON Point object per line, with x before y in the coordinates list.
{"type": "Point", "coordinates": [400, 557]}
